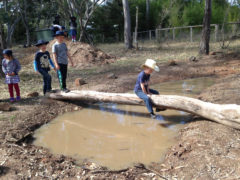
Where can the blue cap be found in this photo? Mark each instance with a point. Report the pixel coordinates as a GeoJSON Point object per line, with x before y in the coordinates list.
{"type": "Point", "coordinates": [41, 42]}
{"type": "Point", "coordinates": [59, 33]}
{"type": "Point", "coordinates": [7, 52]}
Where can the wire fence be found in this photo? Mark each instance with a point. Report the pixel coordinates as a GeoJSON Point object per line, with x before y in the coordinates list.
{"type": "Point", "coordinates": [190, 34]}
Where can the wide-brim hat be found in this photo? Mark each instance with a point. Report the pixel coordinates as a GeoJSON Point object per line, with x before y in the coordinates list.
{"type": "Point", "coordinates": [41, 42]}
{"type": "Point", "coordinates": [59, 33]}
{"type": "Point", "coordinates": [150, 63]}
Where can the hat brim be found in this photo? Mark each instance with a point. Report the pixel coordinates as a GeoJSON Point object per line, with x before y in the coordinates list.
{"type": "Point", "coordinates": [41, 44]}
{"type": "Point", "coordinates": [156, 68]}
{"type": "Point", "coordinates": [55, 35]}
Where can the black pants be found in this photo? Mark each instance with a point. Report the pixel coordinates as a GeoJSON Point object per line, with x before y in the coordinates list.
{"type": "Point", "coordinates": [63, 70]}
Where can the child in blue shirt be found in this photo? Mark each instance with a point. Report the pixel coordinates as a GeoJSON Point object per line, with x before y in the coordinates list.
{"type": "Point", "coordinates": [42, 64]}
{"type": "Point", "coordinates": [142, 89]}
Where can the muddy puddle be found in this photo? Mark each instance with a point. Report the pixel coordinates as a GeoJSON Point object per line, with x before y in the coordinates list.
{"type": "Point", "coordinates": [116, 136]}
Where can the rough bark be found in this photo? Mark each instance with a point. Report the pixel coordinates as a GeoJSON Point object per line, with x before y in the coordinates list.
{"type": "Point", "coordinates": [2, 40]}
{"type": "Point", "coordinates": [127, 25]}
{"type": "Point", "coordinates": [204, 44]}
{"type": "Point", "coordinates": [227, 114]}
{"type": "Point", "coordinates": [23, 13]}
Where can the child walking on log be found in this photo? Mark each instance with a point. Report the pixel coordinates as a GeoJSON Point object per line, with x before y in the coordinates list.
{"type": "Point", "coordinates": [11, 68]}
{"type": "Point", "coordinates": [42, 65]}
{"type": "Point", "coordinates": [142, 89]}
{"type": "Point", "coordinates": [60, 58]}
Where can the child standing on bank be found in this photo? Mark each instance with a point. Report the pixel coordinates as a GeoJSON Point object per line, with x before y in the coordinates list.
{"type": "Point", "coordinates": [11, 68]}
{"type": "Point", "coordinates": [42, 65]}
{"type": "Point", "coordinates": [60, 58]}
{"type": "Point", "coordinates": [142, 89]}
{"type": "Point", "coordinates": [73, 28]}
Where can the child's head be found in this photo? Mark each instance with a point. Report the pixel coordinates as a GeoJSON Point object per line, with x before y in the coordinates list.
{"type": "Point", "coordinates": [150, 66]}
{"type": "Point", "coordinates": [147, 70]}
{"type": "Point", "coordinates": [42, 45]}
{"type": "Point", "coordinates": [60, 36]}
{"type": "Point", "coordinates": [7, 54]}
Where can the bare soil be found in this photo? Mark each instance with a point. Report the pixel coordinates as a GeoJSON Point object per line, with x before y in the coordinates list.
{"type": "Point", "coordinates": [204, 149]}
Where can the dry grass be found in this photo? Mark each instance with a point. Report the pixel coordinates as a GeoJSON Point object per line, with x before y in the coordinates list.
{"type": "Point", "coordinates": [126, 61]}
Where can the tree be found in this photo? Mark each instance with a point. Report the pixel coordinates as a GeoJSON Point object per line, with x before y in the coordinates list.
{"type": "Point", "coordinates": [204, 44]}
{"type": "Point", "coordinates": [147, 12]}
{"type": "Point", "coordinates": [11, 18]}
{"type": "Point", "coordinates": [22, 6]}
{"type": "Point", "coordinates": [84, 9]}
{"type": "Point", "coordinates": [127, 25]}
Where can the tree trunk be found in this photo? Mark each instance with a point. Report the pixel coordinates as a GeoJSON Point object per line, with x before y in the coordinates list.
{"type": "Point", "coordinates": [127, 25]}
{"type": "Point", "coordinates": [23, 13]}
{"type": "Point", "coordinates": [10, 31]}
{"type": "Point", "coordinates": [136, 29]}
{"type": "Point", "coordinates": [147, 13]}
{"type": "Point", "coordinates": [204, 44]}
{"type": "Point", "coordinates": [227, 114]}
{"type": "Point", "coordinates": [2, 40]}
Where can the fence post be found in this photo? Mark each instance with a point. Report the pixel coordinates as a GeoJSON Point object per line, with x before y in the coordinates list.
{"type": "Point", "coordinates": [173, 30]}
{"type": "Point", "coordinates": [191, 34]}
{"type": "Point", "coordinates": [156, 34]}
{"type": "Point", "coordinates": [150, 35]}
{"type": "Point", "coordinates": [216, 33]}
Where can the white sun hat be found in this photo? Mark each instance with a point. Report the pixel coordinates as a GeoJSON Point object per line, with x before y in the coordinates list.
{"type": "Point", "coordinates": [150, 63]}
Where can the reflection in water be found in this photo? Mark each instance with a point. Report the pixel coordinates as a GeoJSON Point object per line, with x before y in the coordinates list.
{"type": "Point", "coordinates": [117, 135]}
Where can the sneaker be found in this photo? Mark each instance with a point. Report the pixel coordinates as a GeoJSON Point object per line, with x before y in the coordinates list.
{"type": "Point", "coordinates": [153, 116]}
{"type": "Point", "coordinates": [18, 98]}
{"type": "Point", "coordinates": [66, 90]}
{"type": "Point", "coordinates": [12, 99]}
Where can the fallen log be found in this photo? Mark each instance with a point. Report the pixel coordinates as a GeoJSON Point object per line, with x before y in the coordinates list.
{"type": "Point", "coordinates": [227, 114]}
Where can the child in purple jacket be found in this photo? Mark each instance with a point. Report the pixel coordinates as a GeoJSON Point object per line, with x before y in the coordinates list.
{"type": "Point", "coordinates": [11, 68]}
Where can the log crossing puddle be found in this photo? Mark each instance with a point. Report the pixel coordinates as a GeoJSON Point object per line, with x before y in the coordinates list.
{"type": "Point", "coordinates": [116, 136]}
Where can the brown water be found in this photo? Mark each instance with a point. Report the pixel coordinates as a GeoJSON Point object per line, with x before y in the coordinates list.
{"type": "Point", "coordinates": [117, 136]}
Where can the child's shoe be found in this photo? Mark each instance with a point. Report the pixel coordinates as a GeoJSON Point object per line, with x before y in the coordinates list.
{"type": "Point", "coordinates": [66, 90]}
{"type": "Point", "coordinates": [153, 116]}
{"type": "Point", "coordinates": [18, 98]}
{"type": "Point", "coordinates": [12, 99]}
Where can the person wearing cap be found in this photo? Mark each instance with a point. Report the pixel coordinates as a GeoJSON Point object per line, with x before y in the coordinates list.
{"type": "Point", "coordinates": [60, 58]}
{"type": "Point", "coordinates": [142, 89]}
{"type": "Point", "coordinates": [11, 68]}
{"type": "Point", "coordinates": [42, 64]}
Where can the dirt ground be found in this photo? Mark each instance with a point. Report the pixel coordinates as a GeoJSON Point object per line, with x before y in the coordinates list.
{"type": "Point", "coordinates": [204, 149]}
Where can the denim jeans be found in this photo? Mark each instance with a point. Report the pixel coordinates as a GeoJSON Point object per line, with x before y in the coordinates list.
{"type": "Point", "coordinates": [146, 99]}
{"type": "Point", "coordinates": [47, 80]}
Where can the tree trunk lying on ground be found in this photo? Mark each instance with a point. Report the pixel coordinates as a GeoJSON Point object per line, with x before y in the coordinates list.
{"type": "Point", "coordinates": [227, 114]}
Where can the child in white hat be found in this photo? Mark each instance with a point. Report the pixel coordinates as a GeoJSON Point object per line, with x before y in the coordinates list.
{"type": "Point", "coordinates": [142, 85]}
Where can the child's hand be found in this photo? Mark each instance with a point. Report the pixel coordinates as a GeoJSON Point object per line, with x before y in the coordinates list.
{"type": "Point", "coordinates": [57, 67]}
{"type": "Point", "coordinates": [72, 64]}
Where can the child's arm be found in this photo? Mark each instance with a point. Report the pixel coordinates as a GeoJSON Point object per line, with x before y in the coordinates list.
{"type": "Point", "coordinates": [143, 88]}
{"type": "Point", "coordinates": [18, 68]}
{"type": "Point", "coordinates": [70, 58]}
{"type": "Point", "coordinates": [51, 63]}
{"type": "Point", "coordinates": [55, 61]}
{"type": "Point", "coordinates": [35, 66]}
{"type": "Point", "coordinates": [4, 68]}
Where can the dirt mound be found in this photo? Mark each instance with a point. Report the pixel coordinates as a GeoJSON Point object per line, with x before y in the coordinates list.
{"type": "Point", "coordinates": [85, 55]}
